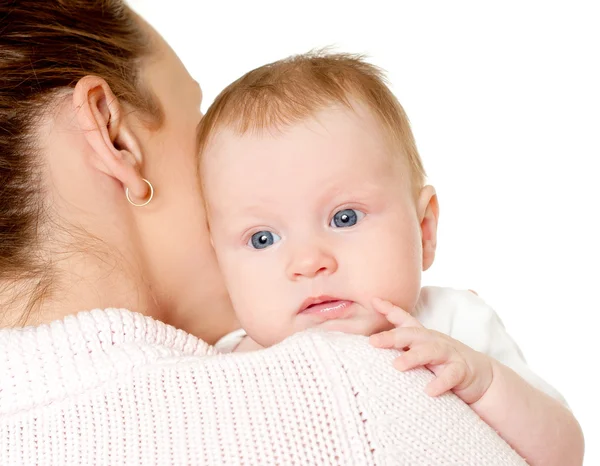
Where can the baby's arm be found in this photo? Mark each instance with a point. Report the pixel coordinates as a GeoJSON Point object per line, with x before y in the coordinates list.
{"type": "Point", "coordinates": [536, 425]}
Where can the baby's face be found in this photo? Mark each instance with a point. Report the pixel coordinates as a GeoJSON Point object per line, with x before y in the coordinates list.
{"type": "Point", "coordinates": [311, 223]}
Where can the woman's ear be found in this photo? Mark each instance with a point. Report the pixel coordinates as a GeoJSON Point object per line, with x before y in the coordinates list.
{"type": "Point", "coordinates": [428, 211]}
{"type": "Point", "coordinates": [116, 149]}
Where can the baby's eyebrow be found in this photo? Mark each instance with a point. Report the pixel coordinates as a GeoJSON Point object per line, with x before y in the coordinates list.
{"type": "Point", "coordinates": [256, 209]}
{"type": "Point", "coordinates": [244, 214]}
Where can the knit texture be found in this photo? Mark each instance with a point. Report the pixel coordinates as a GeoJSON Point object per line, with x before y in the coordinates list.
{"type": "Point", "coordinates": [114, 387]}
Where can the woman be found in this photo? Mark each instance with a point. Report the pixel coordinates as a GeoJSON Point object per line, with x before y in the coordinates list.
{"type": "Point", "coordinates": [100, 208]}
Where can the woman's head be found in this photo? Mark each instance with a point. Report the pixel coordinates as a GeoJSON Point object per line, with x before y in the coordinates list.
{"type": "Point", "coordinates": [92, 101]}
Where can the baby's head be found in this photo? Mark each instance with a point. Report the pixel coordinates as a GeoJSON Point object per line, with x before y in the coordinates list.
{"type": "Point", "coordinates": [315, 197]}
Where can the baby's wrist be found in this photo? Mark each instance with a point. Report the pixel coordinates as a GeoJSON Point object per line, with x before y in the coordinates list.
{"type": "Point", "coordinates": [490, 386]}
{"type": "Point", "coordinates": [480, 385]}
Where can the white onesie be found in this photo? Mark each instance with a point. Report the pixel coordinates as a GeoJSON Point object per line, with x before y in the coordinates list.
{"type": "Point", "coordinates": [463, 316]}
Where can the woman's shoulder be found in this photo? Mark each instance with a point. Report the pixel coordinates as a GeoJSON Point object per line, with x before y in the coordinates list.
{"type": "Point", "coordinates": [316, 398]}
{"type": "Point", "coordinates": [47, 363]}
{"type": "Point", "coordinates": [82, 351]}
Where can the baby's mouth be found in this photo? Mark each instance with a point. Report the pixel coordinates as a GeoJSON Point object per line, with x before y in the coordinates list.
{"type": "Point", "coordinates": [325, 307]}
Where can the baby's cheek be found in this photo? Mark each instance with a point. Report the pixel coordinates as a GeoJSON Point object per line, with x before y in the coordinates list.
{"type": "Point", "coordinates": [248, 297]}
{"type": "Point", "coordinates": [259, 309]}
{"type": "Point", "coordinates": [266, 328]}
{"type": "Point", "coordinates": [391, 271]}
{"type": "Point", "coordinates": [405, 286]}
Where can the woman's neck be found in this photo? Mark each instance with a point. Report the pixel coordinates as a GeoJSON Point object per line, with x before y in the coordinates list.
{"type": "Point", "coordinates": [94, 251]}
{"type": "Point", "coordinates": [83, 282]}
{"type": "Point", "coordinates": [82, 272]}
{"type": "Point", "coordinates": [77, 282]}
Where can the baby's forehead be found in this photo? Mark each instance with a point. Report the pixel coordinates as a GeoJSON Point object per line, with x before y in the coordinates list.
{"type": "Point", "coordinates": [336, 142]}
{"type": "Point", "coordinates": [305, 157]}
{"type": "Point", "coordinates": [333, 121]}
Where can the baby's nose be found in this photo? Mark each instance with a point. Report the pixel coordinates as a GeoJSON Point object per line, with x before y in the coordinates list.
{"type": "Point", "coordinates": [311, 262]}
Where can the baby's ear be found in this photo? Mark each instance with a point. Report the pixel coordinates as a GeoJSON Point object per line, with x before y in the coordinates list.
{"type": "Point", "coordinates": [428, 211]}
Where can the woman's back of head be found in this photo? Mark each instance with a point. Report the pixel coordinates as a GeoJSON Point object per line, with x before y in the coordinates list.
{"type": "Point", "coordinates": [46, 47]}
{"type": "Point", "coordinates": [94, 107]}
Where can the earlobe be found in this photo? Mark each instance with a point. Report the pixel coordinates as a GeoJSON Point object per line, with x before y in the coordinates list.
{"type": "Point", "coordinates": [116, 151]}
{"type": "Point", "coordinates": [428, 210]}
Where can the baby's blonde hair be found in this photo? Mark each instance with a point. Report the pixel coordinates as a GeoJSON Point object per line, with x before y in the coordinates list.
{"type": "Point", "coordinates": [288, 91]}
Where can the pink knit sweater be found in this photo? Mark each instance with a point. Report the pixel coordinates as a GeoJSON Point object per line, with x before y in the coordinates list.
{"type": "Point", "coordinates": [115, 387]}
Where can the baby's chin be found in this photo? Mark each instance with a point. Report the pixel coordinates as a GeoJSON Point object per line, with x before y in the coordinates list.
{"type": "Point", "coordinates": [365, 324]}
{"type": "Point", "coordinates": [358, 325]}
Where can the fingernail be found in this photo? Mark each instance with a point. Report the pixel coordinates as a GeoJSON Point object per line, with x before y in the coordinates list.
{"type": "Point", "coordinates": [375, 340]}
{"type": "Point", "coordinates": [399, 364]}
{"type": "Point", "coordinates": [431, 392]}
{"type": "Point", "coordinates": [377, 303]}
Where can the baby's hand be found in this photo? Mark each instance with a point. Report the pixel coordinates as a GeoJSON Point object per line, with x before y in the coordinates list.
{"type": "Point", "coordinates": [468, 373]}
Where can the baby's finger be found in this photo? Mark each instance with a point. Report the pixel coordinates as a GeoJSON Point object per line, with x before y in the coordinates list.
{"type": "Point", "coordinates": [394, 314]}
{"type": "Point", "coordinates": [422, 355]}
{"type": "Point", "coordinates": [400, 338]}
{"type": "Point", "coordinates": [452, 375]}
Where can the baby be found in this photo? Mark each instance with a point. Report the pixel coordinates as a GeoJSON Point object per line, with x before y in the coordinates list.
{"type": "Point", "coordinates": [320, 218]}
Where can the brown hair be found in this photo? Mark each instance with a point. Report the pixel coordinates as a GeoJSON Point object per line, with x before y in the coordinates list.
{"type": "Point", "coordinates": [290, 90]}
{"type": "Point", "coordinates": [46, 47]}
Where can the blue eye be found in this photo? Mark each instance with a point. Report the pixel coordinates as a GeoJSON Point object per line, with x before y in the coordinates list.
{"type": "Point", "coordinates": [346, 218]}
{"type": "Point", "coordinates": [263, 239]}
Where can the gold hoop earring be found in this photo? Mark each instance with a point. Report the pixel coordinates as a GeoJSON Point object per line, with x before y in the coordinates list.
{"type": "Point", "coordinates": [145, 202]}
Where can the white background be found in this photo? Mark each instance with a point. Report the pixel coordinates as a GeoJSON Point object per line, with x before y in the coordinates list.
{"type": "Point", "coordinates": [504, 102]}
